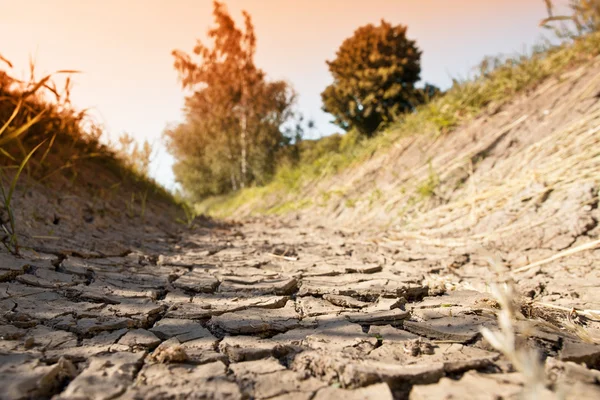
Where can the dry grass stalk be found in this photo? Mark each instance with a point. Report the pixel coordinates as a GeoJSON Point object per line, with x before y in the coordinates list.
{"type": "Point", "coordinates": [557, 163]}
{"type": "Point", "coordinates": [524, 360]}
{"type": "Point", "coordinates": [571, 320]}
{"type": "Point", "coordinates": [591, 314]}
{"type": "Point", "coordinates": [287, 258]}
{"type": "Point", "coordinates": [587, 246]}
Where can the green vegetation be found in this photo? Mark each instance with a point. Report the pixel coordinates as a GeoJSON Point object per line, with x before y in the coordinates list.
{"type": "Point", "coordinates": [427, 188]}
{"type": "Point", "coordinates": [10, 241]}
{"type": "Point", "coordinates": [497, 81]}
{"type": "Point", "coordinates": [290, 206]}
{"type": "Point", "coordinates": [375, 196]}
{"type": "Point", "coordinates": [45, 140]}
{"type": "Point", "coordinates": [241, 145]}
{"type": "Point", "coordinates": [134, 157]}
{"type": "Point", "coordinates": [233, 131]}
{"type": "Point", "coordinates": [350, 203]}
{"type": "Point", "coordinates": [11, 132]}
{"type": "Point", "coordinates": [190, 215]}
{"type": "Point", "coordinates": [236, 132]}
{"type": "Point", "coordinates": [374, 76]}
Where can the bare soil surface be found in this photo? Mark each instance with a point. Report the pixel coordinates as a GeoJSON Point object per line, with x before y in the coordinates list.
{"type": "Point", "coordinates": [116, 301]}
{"type": "Point", "coordinates": [270, 310]}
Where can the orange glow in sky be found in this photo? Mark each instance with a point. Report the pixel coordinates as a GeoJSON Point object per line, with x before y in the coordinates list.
{"type": "Point", "coordinates": [123, 47]}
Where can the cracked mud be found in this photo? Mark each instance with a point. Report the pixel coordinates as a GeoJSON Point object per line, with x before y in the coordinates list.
{"type": "Point", "coordinates": [224, 317]}
{"type": "Point", "coordinates": [124, 308]}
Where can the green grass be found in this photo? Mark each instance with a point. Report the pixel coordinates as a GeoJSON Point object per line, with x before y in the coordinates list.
{"type": "Point", "coordinates": [497, 81]}
{"type": "Point", "coordinates": [350, 203]}
{"type": "Point", "coordinates": [427, 188]}
{"type": "Point", "coordinates": [189, 213]}
{"type": "Point", "coordinates": [11, 241]}
{"type": "Point", "coordinates": [289, 206]}
{"type": "Point", "coordinates": [375, 196]}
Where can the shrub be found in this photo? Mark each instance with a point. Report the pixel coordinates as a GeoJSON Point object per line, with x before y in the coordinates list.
{"type": "Point", "coordinates": [374, 73]}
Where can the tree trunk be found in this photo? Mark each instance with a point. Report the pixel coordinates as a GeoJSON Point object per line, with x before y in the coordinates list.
{"type": "Point", "coordinates": [244, 126]}
{"type": "Point", "coordinates": [233, 182]}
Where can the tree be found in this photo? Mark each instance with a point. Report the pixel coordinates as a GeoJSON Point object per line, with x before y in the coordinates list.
{"type": "Point", "coordinates": [135, 157]}
{"type": "Point", "coordinates": [374, 77]}
{"type": "Point", "coordinates": [233, 117]}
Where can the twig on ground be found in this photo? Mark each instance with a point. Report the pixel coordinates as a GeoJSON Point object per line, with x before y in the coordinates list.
{"type": "Point", "coordinates": [590, 314]}
{"type": "Point", "coordinates": [578, 249]}
{"type": "Point", "coordinates": [287, 258]}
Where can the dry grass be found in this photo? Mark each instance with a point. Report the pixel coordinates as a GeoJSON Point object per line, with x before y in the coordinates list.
{"type": "Point", "coordinates": [517, 316]}
{"type": "Point", "coordinates": [554, 165]}
{"type": "Point", "coordinates": [10, 240]}
{"type": "Point", "coordinates": [524, 360]}
{"type": "Point", "coordinates": [11, 131]}
{"type": "Point", "coordinates": [587, 246]}
{"type": "Point", "coordinates": [43, 138]}
{"type": "Point", "coordinates": [35, 111]}
{"type": "Point", "coordinates": [498, 81]}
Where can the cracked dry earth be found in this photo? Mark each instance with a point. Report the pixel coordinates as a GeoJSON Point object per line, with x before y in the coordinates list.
{"type": "Point", "coordinates": [266, 310]}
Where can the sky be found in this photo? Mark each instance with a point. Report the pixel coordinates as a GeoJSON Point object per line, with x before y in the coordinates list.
{"type": "Point", "coordinates": [123, 48]}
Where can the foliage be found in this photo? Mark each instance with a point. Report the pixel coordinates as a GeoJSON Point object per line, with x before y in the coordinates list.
{"type": "Point", "coordinates": [190, 214]}
{"type": "Point", "coordinates": [133, 156]}
{"type": "Point", "coordinates": [427, 188]}
{"type": "Point", "coordinates": [232, 132]}
{"type": "Point", "coordinates": [44, 138]}
{"type": "Point", "coordinates": [374, 78]}
{"type": "Point", "coordinates": [12, 130]}
{"type": "Point", "coordinates": [10, 241]}
{"type": "Point", "coordinates": [498, 81]}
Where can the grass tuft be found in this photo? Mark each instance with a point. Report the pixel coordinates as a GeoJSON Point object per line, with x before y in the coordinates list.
{"type": "Point", "coordinates": [497, 81]}
{"type": "Point", "coordinates": [525, 360]}
{"type": "Point", "coordinates": [42, 135]}
{"type": "Point", "coordinates": [10, 241]}
{"type": "Point", "coordinates": [427, 188]}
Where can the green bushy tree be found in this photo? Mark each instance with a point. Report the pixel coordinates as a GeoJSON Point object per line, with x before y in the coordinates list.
{"type": "Point", "coordinates": [374, 78]}
{"type": "Point", "coordinates": [232, 131]}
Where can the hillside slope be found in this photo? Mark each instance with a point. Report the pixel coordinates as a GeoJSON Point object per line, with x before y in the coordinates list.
{"type": "Point", "coordinates": [376, 286]}
{"type": "Point", "coordinates": [63, 191]}
{"type": "Point", "coordinates": [514, 169]}
{"type": "Point", "coordinates": [513, 166]}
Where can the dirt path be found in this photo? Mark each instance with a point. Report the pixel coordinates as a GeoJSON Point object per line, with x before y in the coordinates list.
{"type": "Point", "coordinates": [274, 311]}
{"type": "Point", "coordinates": [113, 299]}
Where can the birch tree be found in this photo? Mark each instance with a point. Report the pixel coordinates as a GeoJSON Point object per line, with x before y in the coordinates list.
{"type": "Point", "coordinates": [232, 131]}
